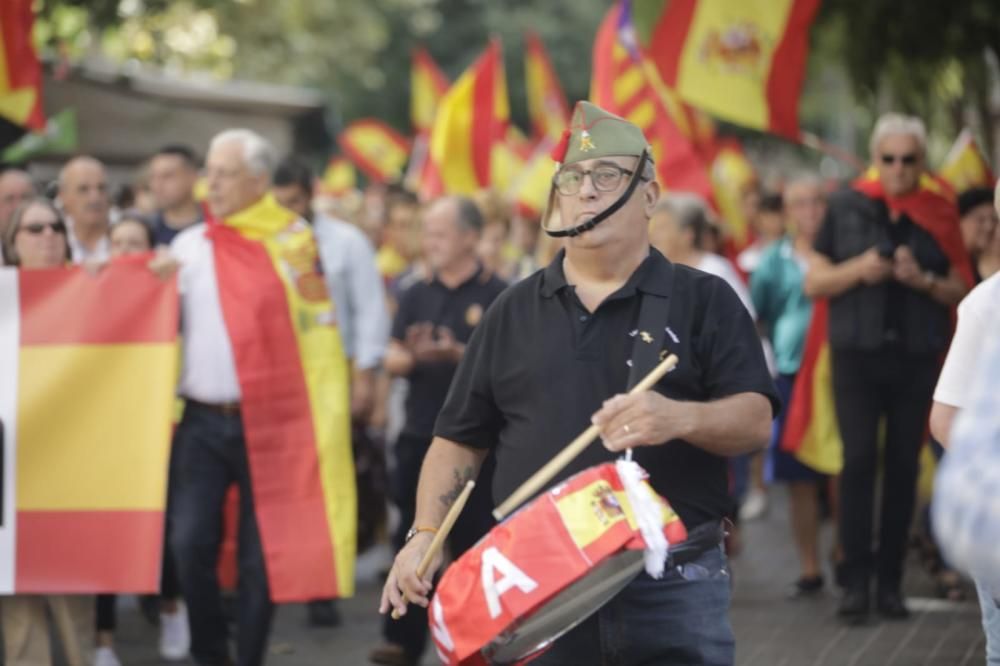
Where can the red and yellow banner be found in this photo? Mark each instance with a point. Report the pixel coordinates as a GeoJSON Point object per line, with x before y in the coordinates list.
{"type": "Point", "coordinates": [86, 401]}
{"type": "Point", "coordinates": [626, 84]}
{"type": "Point", "coordinates": [20, 71]}
{"type": "Point", "coordinates": [965, 166]}
{"type": "Point", "coordinates": [471, 120]}
{"type": "Point", "coordinates": [733, 174]}
{"type": "Point", "coordinates": [338, 178]}
{"type": "Point", "coordinates": [547, 106]}
{"type": "Point", "coordinates": [427, 86]}
{"type": "Point", "coordinates": [743, 62]}
{"type": "Point", "coordinates": [377, 149]}
{"type": "Point", "coordinates": [294, 399]}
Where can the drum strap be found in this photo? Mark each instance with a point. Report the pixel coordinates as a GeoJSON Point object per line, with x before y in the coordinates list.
{"type": "Point", "coordinates": [649, 333]}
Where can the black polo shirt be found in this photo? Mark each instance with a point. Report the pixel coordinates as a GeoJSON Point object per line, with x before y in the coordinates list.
{"type": "Point", "coordinates": [541, 365]}
{"type": "Point", "coordinates": [460, 309]}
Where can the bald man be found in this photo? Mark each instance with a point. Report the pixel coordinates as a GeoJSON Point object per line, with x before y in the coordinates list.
{"type": "Point", "coordinates": [83, 193]}
{"type": "Point", "coordinates": [16, 188]}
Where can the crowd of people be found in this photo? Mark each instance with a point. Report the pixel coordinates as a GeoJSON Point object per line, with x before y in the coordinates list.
{"type": "Point", "coordinates": [413, 282]}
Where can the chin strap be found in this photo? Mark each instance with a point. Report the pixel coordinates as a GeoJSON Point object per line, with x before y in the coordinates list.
{"type": "Point", "coordinates": [607, 212]}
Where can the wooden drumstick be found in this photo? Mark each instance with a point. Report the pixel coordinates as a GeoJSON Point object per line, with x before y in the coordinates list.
{"type": "Point", "coordinates": [438, 541]}
{"type": "Point", "coordinates": [538, 480]}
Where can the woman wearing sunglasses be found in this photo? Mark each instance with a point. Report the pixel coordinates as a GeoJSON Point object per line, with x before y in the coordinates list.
{"type": "Point", "coordinates": [36, 239]}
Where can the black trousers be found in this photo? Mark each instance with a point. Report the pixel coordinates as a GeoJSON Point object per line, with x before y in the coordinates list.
{"type": "Point", "coordinates": [209, 454]}
{"type": "Point", "coordinates": [476, 519]}
{"type": "Point", "coordinates": [868, 387]}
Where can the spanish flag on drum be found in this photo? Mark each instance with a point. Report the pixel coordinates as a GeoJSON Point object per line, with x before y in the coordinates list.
{"type": "Point", "coordinates": [88, 368]}
{"type": "Point", "coordinates": [529, 560]}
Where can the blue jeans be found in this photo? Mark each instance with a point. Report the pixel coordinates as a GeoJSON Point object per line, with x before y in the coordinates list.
{"type": "Point", "coordinates": [991, 623]}
{"type": "Point", "coordinates": [681, 619]}
{"type": "Point", "coordinates": [209, 455]}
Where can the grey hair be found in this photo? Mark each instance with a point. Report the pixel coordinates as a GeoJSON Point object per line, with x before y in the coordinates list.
{"type": "Point", "coordinates": [804, 178]}
{"type": "Point", "coordinates": [649, 171]}
{"type": "Point", "coordinates": [891, 124]}
{"type": "Point", "coordinates": [687, 211]}
{"type": "Point", "coordinates": [258, 153]}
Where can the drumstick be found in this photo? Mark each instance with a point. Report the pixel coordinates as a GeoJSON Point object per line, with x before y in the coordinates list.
{"type": "Point", "coordinates": [575, 448]}
{"type": "Point", "coordinates": [438, 541]}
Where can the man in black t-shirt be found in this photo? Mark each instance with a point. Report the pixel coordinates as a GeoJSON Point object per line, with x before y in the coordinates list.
{"type": "Point", "coordinates": [553, 353]}
{"type": "Point", "coordinates": [173, 173]}
{"type": "Point", "coordinates": [435, 319]}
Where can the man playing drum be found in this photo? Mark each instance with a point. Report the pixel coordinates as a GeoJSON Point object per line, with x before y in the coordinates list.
{"type": "Point", "coordinates": [547, 359]}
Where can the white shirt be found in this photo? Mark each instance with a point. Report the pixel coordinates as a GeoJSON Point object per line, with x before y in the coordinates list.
{"type": "Point", "coordinates": [80, 254]}
{"type": "Point", "coordinates": [722, 267]}
{"type": "Point", "coordinates": [355, 286]}
{"type": "Point", "coordinates": [208, 370]}
{"type": "Point", "coordinates": [975, 312]}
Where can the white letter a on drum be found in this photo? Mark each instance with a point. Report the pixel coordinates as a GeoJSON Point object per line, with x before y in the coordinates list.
{"type": "Point", "coordinates": [493, 563]}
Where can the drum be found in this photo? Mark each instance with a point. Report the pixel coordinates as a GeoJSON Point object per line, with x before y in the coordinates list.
{"type": "Point", "coordinates": [544, 569]}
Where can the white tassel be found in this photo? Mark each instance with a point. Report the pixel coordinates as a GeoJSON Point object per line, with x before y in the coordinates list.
{"type": "Point", "coordinates": [648, 515]}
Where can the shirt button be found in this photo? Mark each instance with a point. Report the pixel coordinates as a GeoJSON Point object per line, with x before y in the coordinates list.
{"type": "Point", "coordinates": [583, 317]}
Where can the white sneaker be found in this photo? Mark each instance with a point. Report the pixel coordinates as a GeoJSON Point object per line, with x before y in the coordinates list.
{"type": "Point", "coordinates": [754, 506]}
{"type": "Point", "coordinates": [175, 635]}
{"type": "Point", "coordinates": [105, 656]}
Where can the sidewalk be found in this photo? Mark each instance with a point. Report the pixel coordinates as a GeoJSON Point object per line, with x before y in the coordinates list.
{"type": "Point", "coordinates": [770, 630]}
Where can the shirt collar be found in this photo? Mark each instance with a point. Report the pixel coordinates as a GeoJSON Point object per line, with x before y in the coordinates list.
{"type": "Point", "coordinates": [653, 276]}
{"type": "Point", "coordinates": [475, 277]}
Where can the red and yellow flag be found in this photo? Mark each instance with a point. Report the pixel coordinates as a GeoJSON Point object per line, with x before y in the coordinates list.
{"type": "Point", "coordinates": [547, 106]}
{"type": "Point", "coordinates": [427, 86]}
{"type": "Point", "coordinates": [20, 72]}
{"type": "Point", "coordinates": [530, 189]}
{"type": "Point", "coordinates": [86, 402]}
{"type": "Point", "coordinates": [377, 149]}
{"type": "Point", "coordinates": [294, 399]}
{"type": "Point", "coordinates": [732, 174]}
{"type": "Point", "coordinates": [471, 120]}
{"type": "Point", "coordinates": [965, 166]}
{"type": "Point", "coordinates": [338, 178]}
{"type": "Point", "coordinates": [626, 84]}
{"type": "Point", "coordinates": [741, 61]}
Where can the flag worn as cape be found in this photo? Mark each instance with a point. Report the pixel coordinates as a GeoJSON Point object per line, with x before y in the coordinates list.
{"type": "Point", "coordinates": [294, 399]}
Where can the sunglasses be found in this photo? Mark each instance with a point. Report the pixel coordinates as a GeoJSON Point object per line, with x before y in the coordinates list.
{"type": "Point", "coordinates": [38, 228]}
{"type": "Point", "coordinates": [906, 160]}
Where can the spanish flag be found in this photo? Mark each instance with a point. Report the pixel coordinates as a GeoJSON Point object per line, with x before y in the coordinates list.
{"type": "Point", "coordinates": [965, 166]}
{"type": "Point", "coordinates": [530, 189]}
{"type": "Point", "coordinates": [339, 177]}
{"type": "Point", "coordinates": [547, 106]}
{"type": "Point", "coordinates": [811, 431]}
{"type": "Point", "coordinates": [732, 174]}
{"type": "Point", "coordinates": [20, 72]}
{"type": "Point", "coordinates": [377, 149]}
{"type": "Point", "coordinates": [743, 62]}
{"type": "Point", "coordinates": [89, 369]}
{"type": "Point", "coordinates": [626, 84]}
{"type": "Point", "coordinates": [294, 399]}
{"type": "Point", "coordinates": [427, 86]}
{"type": "Point", "coordinates": [471, 120]}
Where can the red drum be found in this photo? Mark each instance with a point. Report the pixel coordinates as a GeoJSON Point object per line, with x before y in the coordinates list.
{"type": "Point", "coordinates": [542, 571]}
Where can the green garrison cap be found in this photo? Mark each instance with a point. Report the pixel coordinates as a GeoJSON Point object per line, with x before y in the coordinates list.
{"type": "Point", "coordinates": [593, 132]}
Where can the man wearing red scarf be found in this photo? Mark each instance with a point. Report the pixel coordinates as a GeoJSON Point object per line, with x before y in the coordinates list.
{"type": "Point", "coordinates": [889, 257]}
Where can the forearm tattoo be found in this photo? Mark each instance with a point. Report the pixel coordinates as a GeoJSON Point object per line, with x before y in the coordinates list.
{"type": "Point", "coordinates": [461, 478]}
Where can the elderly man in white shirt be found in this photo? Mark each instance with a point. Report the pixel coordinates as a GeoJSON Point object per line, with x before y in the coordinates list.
{"type": "Point", "coordinates": [209, 451]}
{"type": "Point", "coordinates": [86, 203]}
{"type": "Point", "coordinates": [358, 295]}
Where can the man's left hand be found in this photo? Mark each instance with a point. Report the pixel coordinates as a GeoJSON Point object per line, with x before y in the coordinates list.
{"type": "Point", "coordinates": [906, 270]}
{"type": "Point", "coordinates": [643, 419]}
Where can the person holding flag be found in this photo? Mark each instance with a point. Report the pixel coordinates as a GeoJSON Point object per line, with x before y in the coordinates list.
{"type": "Point", "coordinates": [890, 259]}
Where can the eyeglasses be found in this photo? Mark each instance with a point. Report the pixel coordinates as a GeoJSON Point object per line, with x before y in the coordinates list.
{"type": "Point", "coordinates": [606, 178]}
{"type": "Point", "coordinates": [38, 228]}
{"type": "Point", "coordinates": [906, 160]}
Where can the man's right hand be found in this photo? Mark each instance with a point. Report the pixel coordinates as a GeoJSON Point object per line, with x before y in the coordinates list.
{"type": "Point", "coordinates": [163, 264]}
{"type": "Point", "coordinates": [403, 585]}
{"type": "Point", "coordinates": [873, 268]}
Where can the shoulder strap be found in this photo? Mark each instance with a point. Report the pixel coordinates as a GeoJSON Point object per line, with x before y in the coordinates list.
{"type": "Point", "coordinates": [650, 332]}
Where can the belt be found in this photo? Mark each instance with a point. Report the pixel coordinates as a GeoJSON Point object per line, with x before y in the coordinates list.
{"type": "Point", "coordinates": [699, 540]}
{"type": "Point", "coordinates": [224, 408]}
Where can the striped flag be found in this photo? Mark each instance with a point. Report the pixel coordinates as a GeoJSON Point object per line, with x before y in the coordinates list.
{"type": "Point", "coordinates": [86, 399]}
{"type": "Point", "coordinates": [743, 62]}
{"type": "Point", "coordinates": [966, 166]}
{"type": "Point", "coordinates": [338, 178]}
{"type": "Point", "coordinates": [427, 86]}
{"type": "Point", "coordinates": [377, 149]}
{"type": "Point", "coordinates": [471, 120]}
{"type": "Point", "coordinates": [547, 106]}
{"type": "Point", "coordinates": [732, 174]}
{"type": "Point", "coordinates": [294, 399]}
{"type": "Point", "coordinates": [626, 84]}
{"type": "Point", "coordinates": [20, 72]}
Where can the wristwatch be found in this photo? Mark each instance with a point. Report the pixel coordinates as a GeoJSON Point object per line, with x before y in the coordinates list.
{"type": "Point", "coordinates": [414, 531]}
